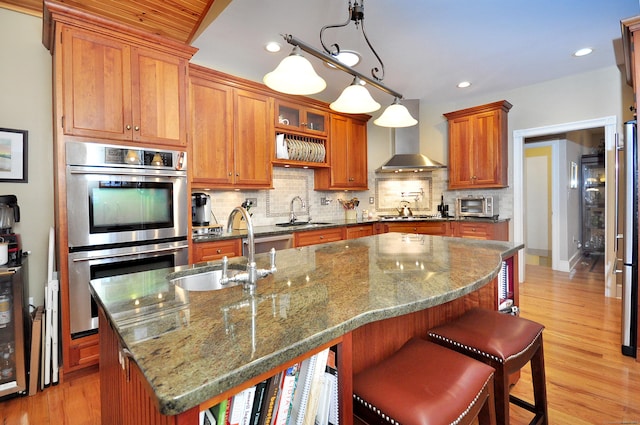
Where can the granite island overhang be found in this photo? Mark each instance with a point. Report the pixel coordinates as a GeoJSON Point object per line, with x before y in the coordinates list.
{"type": "Point", "coordinates": [192, 346]}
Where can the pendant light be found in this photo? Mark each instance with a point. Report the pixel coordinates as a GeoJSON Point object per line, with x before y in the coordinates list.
{"type": "Point", "coordinates": [295, 75]}
{"type": "Point", "coordinates": [396, 115]}
{"type": "Point", "coordinates": [299, 77]}
{"type": "Point", "coordinates": [355, 99]}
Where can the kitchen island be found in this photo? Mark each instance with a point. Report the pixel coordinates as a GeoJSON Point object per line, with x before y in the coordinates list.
{"type": "Point", "coordinates": [171, 352]}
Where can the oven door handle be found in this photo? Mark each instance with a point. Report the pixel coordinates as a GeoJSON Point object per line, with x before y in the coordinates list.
{"type": "Point", "coordinates": [125, 172]}
{"type": "Point", "coordinates": [130, 254]}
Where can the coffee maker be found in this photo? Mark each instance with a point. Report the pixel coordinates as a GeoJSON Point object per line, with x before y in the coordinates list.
{"type": "Point", "coordinates": [200, 209]}
{"type": "Point", "coordinates": [9, 215]}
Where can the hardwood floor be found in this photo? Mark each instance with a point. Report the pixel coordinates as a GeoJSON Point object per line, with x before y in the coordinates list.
{"type": "Point", "coordinates": [588, 380]}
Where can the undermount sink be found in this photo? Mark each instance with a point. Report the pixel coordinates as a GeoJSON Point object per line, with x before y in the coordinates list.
{"type": "Point", "coordinates": [208, 280]}
{"type": "Point", "coordinates": [302, 223]}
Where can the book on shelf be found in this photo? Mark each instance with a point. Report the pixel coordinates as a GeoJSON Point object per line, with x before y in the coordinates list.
{"type": "Point", "coordinates": [315, 388]}
{"type": "Point", "coordinates": [301, 393]}
{"type": "Point", "coordinates": [328, 404]}
{"type": "Point", "coordinates": [219, 412]}
{"type": "Point", "coordinates": [207, 418]}
{"type": "Point", "coordinates": [271, 398]}
{"type": "Point", "coordinates": [258, 402]}
{"type": "Point", "coordinates": [247, 405]}
{"type": "Point", "coordinates": [286, 394]}
{"type": "Point", "coordinates": [332, 374]}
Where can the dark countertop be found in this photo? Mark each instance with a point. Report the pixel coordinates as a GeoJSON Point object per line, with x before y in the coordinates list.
{"type": "Point", "coordinates": [272, 230]}
{"type": "Point", "coordinates": [192, 346]}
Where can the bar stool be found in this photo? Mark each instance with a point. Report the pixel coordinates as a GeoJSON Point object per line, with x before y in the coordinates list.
{"type": "Point", "coordinates": [423, 383]}
{"type": "Point", "coordinates": [506, 343]}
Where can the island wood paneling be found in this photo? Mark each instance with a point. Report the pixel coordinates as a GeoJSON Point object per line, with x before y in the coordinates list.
{"type": "Point", "coordinates": [376, 341]}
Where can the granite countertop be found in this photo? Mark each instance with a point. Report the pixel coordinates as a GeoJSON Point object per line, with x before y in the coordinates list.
{"type": "Point", "coordinates": [192, 346]}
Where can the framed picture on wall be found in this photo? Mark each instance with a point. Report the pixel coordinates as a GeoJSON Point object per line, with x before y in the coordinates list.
{"type": "Point", "coordinates": [13, 155]}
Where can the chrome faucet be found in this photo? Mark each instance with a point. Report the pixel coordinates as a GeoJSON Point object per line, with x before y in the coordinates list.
{"type": "Point", "coordinates": [251, 276]}
{"type": "Point", "coordinates": [292, 215]}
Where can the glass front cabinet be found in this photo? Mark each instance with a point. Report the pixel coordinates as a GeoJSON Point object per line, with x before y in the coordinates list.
{"type": "Point", "coordinates": [593, 197]}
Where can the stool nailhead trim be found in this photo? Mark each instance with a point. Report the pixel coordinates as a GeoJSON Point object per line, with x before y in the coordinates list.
{"type": "Point", "coordinates": [375, 410]}
{"type": "Point", "coordinates": [477, 351]}
{"type": "Point", "coordinates": [394, 422]}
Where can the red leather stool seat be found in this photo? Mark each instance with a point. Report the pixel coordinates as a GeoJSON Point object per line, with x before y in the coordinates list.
{"type": "Point", "coordinates": [423, 383]}
{"type": "Point", "coordinates": [506, 343]}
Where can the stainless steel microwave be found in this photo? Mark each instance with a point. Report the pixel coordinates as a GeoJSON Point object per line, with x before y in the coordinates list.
{"type": "Point", "coordinates": [477, 206]}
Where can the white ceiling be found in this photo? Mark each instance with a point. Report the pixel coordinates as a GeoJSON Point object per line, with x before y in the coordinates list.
{"type": "Point", "coordinates": [427, 46]}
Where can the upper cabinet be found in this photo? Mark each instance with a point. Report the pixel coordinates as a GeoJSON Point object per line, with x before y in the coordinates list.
{"type": "Point", "coordinates": [478, 143]}
{"type": "Point", "coordinates": [231, 133]}
{"type": "Point", "coordinates": [347, 150]}
{"type": "Point", "coordinates": [294, 118]}
{"type": "Point", "coordinates": [117, 90]}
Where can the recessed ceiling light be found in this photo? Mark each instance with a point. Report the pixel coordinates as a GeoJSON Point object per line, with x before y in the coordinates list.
{"type": "Point", "coordinates": [347, 57]}
{"type": "Point", "coordinates": [583, 52]}
{"type": "Point", "coordinates": [464, 84]}
{"type": "Point", "coordinates": [272, 47]}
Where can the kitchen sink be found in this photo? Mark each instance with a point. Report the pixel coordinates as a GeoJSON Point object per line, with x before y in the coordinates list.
{"type": "Point", "coordinates": [303, 224]}
{"type": "Point", "coordinates": [208, 280]}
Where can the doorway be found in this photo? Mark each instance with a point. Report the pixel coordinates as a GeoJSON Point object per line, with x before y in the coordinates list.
{"type": "Point", "coordinates": [539, 186]}
{"type": "Point", "coordinates": [610, 125]}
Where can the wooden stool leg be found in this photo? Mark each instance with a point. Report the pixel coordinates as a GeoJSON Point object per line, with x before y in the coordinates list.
{"type": "Point", "coordinates": [539, 385]}
{"type": "Point", "coordinates": [487, 414]}
{"type": "Point", "coordinates": [501, 395]}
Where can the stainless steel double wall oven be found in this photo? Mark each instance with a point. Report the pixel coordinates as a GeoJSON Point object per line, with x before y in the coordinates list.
{"type": "Point", "coordinates": [127, 212]}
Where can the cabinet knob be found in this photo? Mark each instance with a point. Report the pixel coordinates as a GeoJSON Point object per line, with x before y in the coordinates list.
{"type": "Point", "coordinates": [218, 251]}
{"type": "Point", "coordinates": [237, 174]}
{"type": "Point", "coordinates": [136, 128]}
{"type": "Point", "coordinates": [351, 179]}
{"type": "Point", "coordinates": [128, 127]}
{"type": "Point", "coordinates": [230, 173]}
{"type": "Point", "coordinates": [321, 237]}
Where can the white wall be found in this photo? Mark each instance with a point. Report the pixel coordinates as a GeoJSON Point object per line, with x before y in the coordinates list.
{"type": "Point", "coordinates": [26, 104]}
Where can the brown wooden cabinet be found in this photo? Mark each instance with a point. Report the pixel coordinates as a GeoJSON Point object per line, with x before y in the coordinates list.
{"type": "Point", "coordinates": [471, 229]}
{"type": "Point", "coordinates": [118, 90]}
{"type": "Point", "coordinates": [439, 228]}
{"type": "Point", "coordinates": [478, 146]}
{"type": "Point", "coordinates": [352, 232]}
{"type": "Point", "coordinates": [298, 118]}
{"type": "Point", "coordinates": [211, 251]}
{"type": "Point", "coordinates": [312, 237]}
{"type": "Point", "coordinates": [347, 155]}
{"type": "Point", "coordinates": [231, 133]}
{"type": "Point", "coordinates": [113, 84]}
{"type": "Point", "coordinates": [477, 230]}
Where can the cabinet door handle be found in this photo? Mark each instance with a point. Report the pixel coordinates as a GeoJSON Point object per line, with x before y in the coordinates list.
{"type": "Point", "coordinates": [136, 128]}
{"type": "Point", "coordinates": [351, 179]}
{"type": "Point", "coordinates": [230, 173]}
{"type": "Point", "coordinates": [321, 237]}
{"type": "Point", "coordinates": [128, 127]}
{"type": "Point", "coordinates": [218, 251]}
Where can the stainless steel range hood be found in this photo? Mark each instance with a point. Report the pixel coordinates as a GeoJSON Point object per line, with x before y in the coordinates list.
{"type": "Point", "coordinates": [406, 143]}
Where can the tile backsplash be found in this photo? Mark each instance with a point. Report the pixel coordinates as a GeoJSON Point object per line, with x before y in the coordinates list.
{"type": "Point", "coordinates": [422, 190]}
